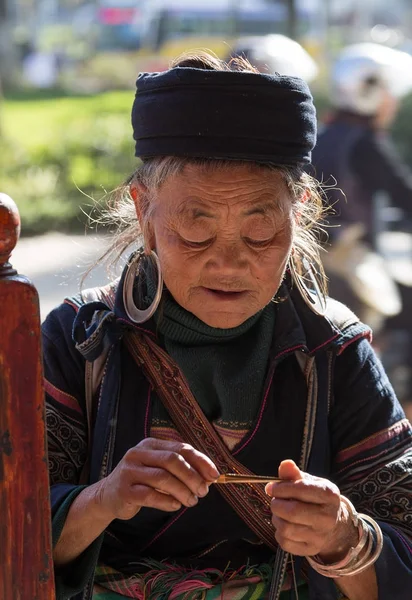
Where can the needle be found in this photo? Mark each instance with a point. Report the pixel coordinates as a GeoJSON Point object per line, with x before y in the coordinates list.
{"type": "Point", "coordinates": [235, 478]}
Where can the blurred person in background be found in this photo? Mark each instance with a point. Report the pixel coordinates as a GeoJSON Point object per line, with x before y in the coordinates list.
{"type": "Point", "coordinates": [357, 161]}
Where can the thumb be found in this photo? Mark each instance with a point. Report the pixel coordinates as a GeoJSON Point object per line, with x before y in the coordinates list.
{"type": "Point", "coordinates": [288, 469]}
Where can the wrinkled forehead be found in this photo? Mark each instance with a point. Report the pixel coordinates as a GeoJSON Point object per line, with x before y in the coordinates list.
{"type": "Point", "coordinates": [247, 188]}
{"type": "Point", "coordinates": [231, 168]}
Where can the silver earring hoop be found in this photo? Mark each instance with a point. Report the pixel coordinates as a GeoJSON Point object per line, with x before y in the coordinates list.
{"type": "Point", "coordinates": [313, 298]}
{"type": "Point", "coordinates": [135, 314]}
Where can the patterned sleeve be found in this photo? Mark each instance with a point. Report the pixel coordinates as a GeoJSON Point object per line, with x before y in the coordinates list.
{"type": "Point", "coordinates": [372, 459]}
{"type": "Point", "coordinates": [64, 386]}
{"type": "Point", "coordinates": [66, 439]}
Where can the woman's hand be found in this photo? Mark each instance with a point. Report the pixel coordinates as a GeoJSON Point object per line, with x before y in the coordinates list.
{"type": "Point", "coordinates": [157, 474]}
{"type": "Point", "coordinates": [309, 516]}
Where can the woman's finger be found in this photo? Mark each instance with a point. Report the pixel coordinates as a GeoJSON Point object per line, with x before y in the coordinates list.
{"type": "Point", "coordinates": [315, 491]}
{"type": "Point", "coordinates": [297, 539]}
{"type": "Point", "coordinates": [169, 460]}
{"type": "Point", "coordinates": [143, 495]}
{"type": "Point", "coordinates": [199, 461]}
{"type": "Point", "coordinates": [202, 463]}
{"type": "Point", "coordinates": [289, 470]}
{"type": "Point", "coordinates": [295, 548]}
{"type": "Point", "coordinates": [290, 533]}
{"type": "Point", "coordinates": [294, 533]}
{"type": "Point", "coordinates": [164, 481]}
{"type": "Point", "coordinates": [320, 516]}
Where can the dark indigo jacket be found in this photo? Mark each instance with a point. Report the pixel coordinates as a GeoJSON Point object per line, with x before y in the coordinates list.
{"type": "Point", "coordinates": [362, 441]}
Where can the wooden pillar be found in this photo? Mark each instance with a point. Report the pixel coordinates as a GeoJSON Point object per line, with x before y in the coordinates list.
{"type": "Point", "coordinates": [26, 571]}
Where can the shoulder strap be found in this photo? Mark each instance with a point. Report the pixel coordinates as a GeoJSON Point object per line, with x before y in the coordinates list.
{"type": "Point", "coordinates": [93, 372]}
{"type": "Point", "coordinates": [165, 377]}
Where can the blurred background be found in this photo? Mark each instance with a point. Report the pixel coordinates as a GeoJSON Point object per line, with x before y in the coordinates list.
{"type": "Point", "coordinates": [67, 73]}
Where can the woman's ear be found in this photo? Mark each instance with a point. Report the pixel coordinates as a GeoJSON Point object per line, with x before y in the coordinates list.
{"type": "Point", "coordinates": [137, 190]}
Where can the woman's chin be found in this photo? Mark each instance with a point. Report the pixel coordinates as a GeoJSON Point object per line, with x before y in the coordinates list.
{"type": "Point", "coordinates": [222, 319]}
{"type": "Point", "coordinates": [223, 310]}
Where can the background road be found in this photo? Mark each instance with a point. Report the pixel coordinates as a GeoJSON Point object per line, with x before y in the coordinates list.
{"type": "Point", "coordinates": [56, 262]}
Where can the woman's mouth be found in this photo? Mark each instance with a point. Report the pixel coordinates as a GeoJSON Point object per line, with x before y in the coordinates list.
{"type": "Point", "coordinates": [220, 294]}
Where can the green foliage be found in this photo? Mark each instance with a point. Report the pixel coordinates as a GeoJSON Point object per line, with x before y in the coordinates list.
{"type": "Point", "coordinates": [60, 155]}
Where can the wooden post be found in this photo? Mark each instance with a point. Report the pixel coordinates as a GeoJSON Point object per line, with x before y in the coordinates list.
{"type": "Point", "coordinates": [26, 571]}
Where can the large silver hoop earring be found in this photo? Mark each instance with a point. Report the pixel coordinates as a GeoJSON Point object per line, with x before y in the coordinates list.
{"type": "Point", "coordinates": [314, 297]}
{"type": "Point", "coordinates": [135, 314]}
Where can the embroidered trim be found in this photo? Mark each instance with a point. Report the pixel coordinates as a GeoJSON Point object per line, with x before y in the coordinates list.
{"type": "Point", "coordinates": [334, 337]}
{"type": "Point", "coordinates": [74, 305]}
{"type": "Point", "coordinates": [373, 440]}
{"type": "Point", "coordinates": [62, 397]}
{"type": "Point", "coordinates": [364, 334]}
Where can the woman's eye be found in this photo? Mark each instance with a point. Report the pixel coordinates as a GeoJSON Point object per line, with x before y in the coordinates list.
{"type": "Point", "coordinates": [258, 243]}
{"type": "Point", "coordinates": [191, 244]}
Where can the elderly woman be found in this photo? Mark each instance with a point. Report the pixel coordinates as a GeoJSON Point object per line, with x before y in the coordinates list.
{"type": "Point", "coordinates": [213, 356]}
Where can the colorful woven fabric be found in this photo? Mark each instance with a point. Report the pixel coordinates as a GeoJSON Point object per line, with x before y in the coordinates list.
{"type": "Point", "coordinates": [169, 581]}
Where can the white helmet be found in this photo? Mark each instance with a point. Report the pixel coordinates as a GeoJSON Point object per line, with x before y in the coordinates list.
{"type": "Point", "coordinates": [363, 73]}
{"type": "Point", "coordinates": [277, 53]}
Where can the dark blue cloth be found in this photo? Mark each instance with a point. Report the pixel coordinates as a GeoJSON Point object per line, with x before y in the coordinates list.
{"type": "Point", "coordinates": [203, 113]}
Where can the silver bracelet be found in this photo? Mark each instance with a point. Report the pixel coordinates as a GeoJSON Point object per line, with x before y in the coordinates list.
{"type": "Point", "coordinates": [351, 564]}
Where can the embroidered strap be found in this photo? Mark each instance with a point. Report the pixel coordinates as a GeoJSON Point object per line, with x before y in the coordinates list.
{"type": "Point", "coordinates": [249, 501]}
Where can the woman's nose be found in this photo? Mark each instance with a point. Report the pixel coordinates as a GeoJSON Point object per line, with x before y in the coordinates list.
{"type": "Point", "coordinates": [229, 258]}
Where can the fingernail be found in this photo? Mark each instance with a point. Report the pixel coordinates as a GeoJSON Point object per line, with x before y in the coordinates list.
{"type": "Point", "coordinates": [193, 500]}
{"type": "Point", "coordinates": [176, 505]}
{"type": "Point", "coordinates": [269, 489]}
{"type": "Point", "coordinates": [214, 473]}
{"type": "Point", "coordinates": [202, 490]}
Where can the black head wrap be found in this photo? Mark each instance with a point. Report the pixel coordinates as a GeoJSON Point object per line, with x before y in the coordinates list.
{"type": "Point", "coordinates": [198, 113]}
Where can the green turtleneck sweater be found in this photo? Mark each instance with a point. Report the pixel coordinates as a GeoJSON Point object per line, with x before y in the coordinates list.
{"type": "Point", "coordinates": [225, 368]}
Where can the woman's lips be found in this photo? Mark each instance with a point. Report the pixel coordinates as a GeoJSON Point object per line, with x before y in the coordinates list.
{"type": "Point", "coordinates": [224, 294]}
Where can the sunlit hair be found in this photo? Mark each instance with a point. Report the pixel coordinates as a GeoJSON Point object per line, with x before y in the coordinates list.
{"type": "Point", "coordinates": [306, 195]}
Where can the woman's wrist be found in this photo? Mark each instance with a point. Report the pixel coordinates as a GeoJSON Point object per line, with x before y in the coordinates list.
{"type": "Point", "coordinates": [358, 558]}
{"type": "Point", "coordinates": [345, 538]}
{"type": "Point", "coordinates": [94, 495]}
{"type": "Point", "coordinates": [86, 520]}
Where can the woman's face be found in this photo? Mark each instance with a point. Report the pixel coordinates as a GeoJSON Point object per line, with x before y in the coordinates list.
{"type": "Point", "coordinates": [223, 238]}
